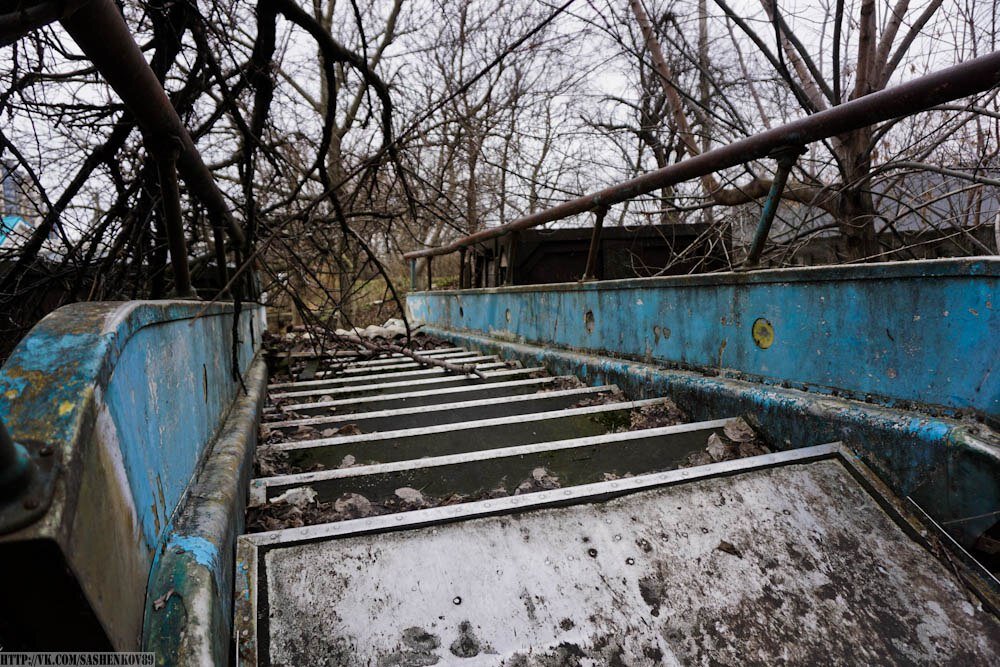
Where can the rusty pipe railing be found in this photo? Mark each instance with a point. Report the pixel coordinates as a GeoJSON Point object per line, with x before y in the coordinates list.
{"type": "Point", "coordinates": [920, 94]}
{"type": "Point", "coordinates": [99, 29]}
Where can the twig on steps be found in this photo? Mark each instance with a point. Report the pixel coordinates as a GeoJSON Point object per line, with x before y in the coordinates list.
{"type": "Point", "coordinates": [465, 369]}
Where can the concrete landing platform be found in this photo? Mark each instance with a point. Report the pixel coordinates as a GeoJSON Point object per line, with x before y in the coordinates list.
{"type": "Point", "coordinates": [787, 558]}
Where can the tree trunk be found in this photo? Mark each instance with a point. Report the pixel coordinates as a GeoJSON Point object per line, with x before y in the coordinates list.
{"type": "Point", "coordinates": [855, 210]}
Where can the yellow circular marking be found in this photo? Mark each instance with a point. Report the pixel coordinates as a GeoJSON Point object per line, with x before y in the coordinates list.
{"type": "Point", "coordinates": [763, 333]}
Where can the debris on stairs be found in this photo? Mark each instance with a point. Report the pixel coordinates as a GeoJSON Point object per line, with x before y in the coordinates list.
{"type": "Point", "coordinates": [406, 515]}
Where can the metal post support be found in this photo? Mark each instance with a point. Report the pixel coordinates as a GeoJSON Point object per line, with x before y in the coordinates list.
{"type": "Point", "coordinates": [514, 239]}
{"type": "Point", "coordinates": [590, 273]}
{"type": "Point", "coordinates": [786, 159]}
{"type": "Point", "coordinates": [413, 274]}
{"type": "Point", "coordinates": [496, 262]}
{"type": "Point", "coordinates": [430, 280]}
{"type": "Point", "coordinates": [461, 268]}
{"type": "Point", "coordinates": [219, 243]}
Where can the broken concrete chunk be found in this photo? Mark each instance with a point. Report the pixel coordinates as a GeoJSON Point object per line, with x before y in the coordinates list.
{"type": "Point", "coordinates": [353, 506]}
{"type": "Point", "coordinates": [300, 496]}
{"type": "Point", "coordinates": [717, 449]}
{"type": "Point", "coordinates": [656, 415]}
{"type": "Point", "coordinates": [540, 480]}
{"type": "Point", "coordinates": [410, 498]}
{"type": "Point", "coordinates": [738, 430]}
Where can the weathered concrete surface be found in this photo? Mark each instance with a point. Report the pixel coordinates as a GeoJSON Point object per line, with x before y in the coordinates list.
{"type": "Point", "coordinates": [902, 333]}
{"type": "Point", "coordinates": [445, 439]}
{"type": "Point", "coordinates": [128, 396]}
{"type": "Point", "coordinates": [573, 461]}
{"type": "Point", "coordinates": [793, 564]}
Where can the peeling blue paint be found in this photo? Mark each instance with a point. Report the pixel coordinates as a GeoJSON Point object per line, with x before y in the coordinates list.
{"type": "Point", "coordinates": [908, 333]}
{"type": "Point", "coordinates": [880, 356]}
{"type": "Point", "coordinates": [205, 553]}
{"type": "Point", "coordinates": [130, 397]}
{"type": "Point", "coordinates": [163, 412]}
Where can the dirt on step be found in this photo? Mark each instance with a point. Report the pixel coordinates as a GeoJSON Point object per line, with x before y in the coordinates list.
{"type": "Point", "coordinates": [614, 395]}
{"type": "Point", "coordinates": [293, 510]}
{"type": "Point", "coordinates": [560, 383]}
{"type": "Point", "coordinates": [657, 415]}
{"type": "Point", "coordinates": [738, 440]}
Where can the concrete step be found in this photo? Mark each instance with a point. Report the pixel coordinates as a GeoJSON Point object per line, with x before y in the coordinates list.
{"type": "Point", "coordinates": [449, 413]}
{"type": "Point", "coordinates": [798, 557]}
{"type": "Point", "coordinates": [402, 363]}
{"type": "Point", "coordinates": [404, 371]}
{"type": "Point", "coordinates": [426, 397]}
{"type": "Point", "coordinates": [445, 439]}
{"type": "Point", "coordinates": [435, 382]}
{"type": "Point", "coordinates": [572, 461]}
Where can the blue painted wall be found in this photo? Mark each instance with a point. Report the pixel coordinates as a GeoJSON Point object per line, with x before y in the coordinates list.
{"type": "Point", "coordinates": [911, 333]}
{"type": "Point", "coordinates": [168, 395]}
{"type": "Point", "coordinates": [129, 397]}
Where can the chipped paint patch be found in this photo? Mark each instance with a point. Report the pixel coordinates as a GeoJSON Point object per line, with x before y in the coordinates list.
{"type": "Point", "coordinates": [205, 553]}
{"type": "Point", "coordinates": [107, 386]}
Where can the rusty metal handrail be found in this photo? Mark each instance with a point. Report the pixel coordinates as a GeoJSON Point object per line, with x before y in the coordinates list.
{"type": "Point", "coordinates": [903, 100]}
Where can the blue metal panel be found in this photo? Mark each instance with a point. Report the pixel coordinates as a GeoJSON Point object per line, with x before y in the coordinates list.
{"type": "Point", "coordinates": [167, 412]}
{"type": "Point", "coordinates": [128, 398]}
{"type": "Point", "coordinates": [910, 333]}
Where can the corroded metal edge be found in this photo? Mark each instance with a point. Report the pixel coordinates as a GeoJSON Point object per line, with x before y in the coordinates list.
{"type": "Point", "coordinates": [915, 453]}
{"type": "Point", "coordinates": [919, 525]}
{"type": "Point", "coordinates": [78, 344]}
{"type": "Point", "coordinates": [188, 616]}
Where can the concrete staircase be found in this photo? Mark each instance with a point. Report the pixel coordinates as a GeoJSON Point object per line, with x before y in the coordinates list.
{"type": "Point", "coordinates": [416, 516]}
